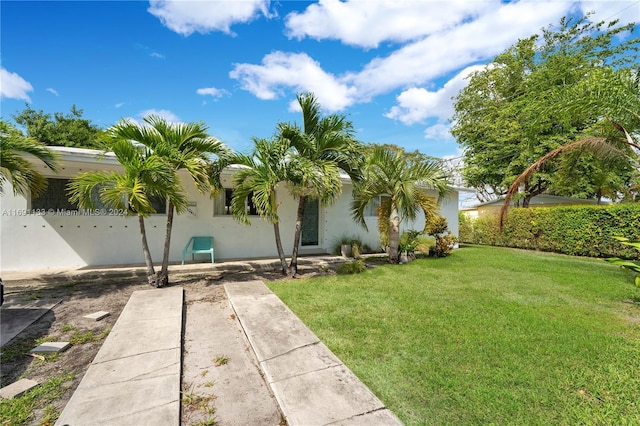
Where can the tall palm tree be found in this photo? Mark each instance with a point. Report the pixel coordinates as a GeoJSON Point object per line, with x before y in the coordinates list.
{"type": "Point", "coordinates": [185, 146]}
{"type": "Point", "coordinates": [266, 167]}
{"type": "Point", "coordinates": [404, 181]}
{"type": "Point", "coordinates": [14, 166]}
{"type": "Point", "coordinates": [325, 146]}
{"type": "Point", "coordinates": [144, 177]}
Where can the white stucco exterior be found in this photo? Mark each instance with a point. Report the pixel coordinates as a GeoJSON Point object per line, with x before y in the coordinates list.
{"type": "Point", "coordinates": [54, 240]}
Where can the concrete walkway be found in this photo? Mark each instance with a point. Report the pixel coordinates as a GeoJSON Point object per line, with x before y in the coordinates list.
{"type": "Point", "coordinates": [135, 377]}
{"type": "Point", "coordinates": [312, 386]}
{"type": "Point", "coordinates": [278, 367]}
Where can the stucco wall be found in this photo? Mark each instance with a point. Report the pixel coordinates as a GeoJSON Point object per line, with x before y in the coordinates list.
{"type": "Point", "coordinates": [59, 241]}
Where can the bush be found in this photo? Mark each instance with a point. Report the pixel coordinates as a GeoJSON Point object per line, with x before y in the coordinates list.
{"type": "Point", "coordinates": [355, 267]}
{"type": "Point", "coordinates": [408, 242]}
{"type": "Point", "coordinates": [357, 248]}
{"type": "Point", "coordinates": [574, 230]}
{"type": "Point", "coordinates": [445, 240]}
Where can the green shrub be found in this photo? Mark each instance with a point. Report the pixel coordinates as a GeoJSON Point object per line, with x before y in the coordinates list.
{"type": "Point", "coordinates": [465, 228]}
{"type": "Point", "coordinates": [355, 267]}
{"type": "Point", "coordinates": [444, 239]}
{"type": "Point", "coordinates": [574, 230]}
{"type": "Point", "coordinates": [354, 241]}
{"type": "Point", "coordinates": [408, 242]}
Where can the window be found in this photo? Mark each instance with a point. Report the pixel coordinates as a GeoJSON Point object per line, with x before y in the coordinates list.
{"type": "Point", "coordinates": [159, 204]}
{"type": "Point", "coordinates": [374, 204]}
{"type": "Point", "coordinates": [54, 197]}
{"type": "Point", "coordinates": [222, 204]}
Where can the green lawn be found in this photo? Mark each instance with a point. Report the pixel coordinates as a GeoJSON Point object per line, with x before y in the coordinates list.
{"type": "Point", "coordinates": [485, 336]}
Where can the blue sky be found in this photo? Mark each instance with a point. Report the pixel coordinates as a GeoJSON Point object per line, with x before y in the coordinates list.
{"type": "Point", "coordinates": [390, 66]}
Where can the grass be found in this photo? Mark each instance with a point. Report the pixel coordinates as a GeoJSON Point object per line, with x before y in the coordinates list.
{"type": "Point", "coordinates": [221, 360]}
{"type": "Point", "coordinates": [79, 337]}
{"type": "Point", "coordinates": [19, 411]}
{"type": "Point", "coordinates": [485, 336]}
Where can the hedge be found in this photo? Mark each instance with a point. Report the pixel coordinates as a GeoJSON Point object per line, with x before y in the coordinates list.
{"type": "Point", "coordinates": [575, 230]}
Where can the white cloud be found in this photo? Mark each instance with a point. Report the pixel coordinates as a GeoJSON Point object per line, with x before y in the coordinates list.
{"type": "Point", "coordinates": [417, 104]}
{"type": "Point", "coordinates": [53, 91]}
{"type": "Point", "coordinates": [204, 16]}
{"type": "Point", "coordinates": [446, 51]}
{"type": "Point", "coordinates": [443, 51]}
{"type": "Point", "coordinates": [13, 86]}
{"type": "Point", "coordinates": [439, 132]}
{"type": "Point", "coordinates": [119, 104]}
{"type": "Point", "coordinates": [399, 21]}
{"type": "Point", "coordinates": [280, 70]}
{"type": "Point", "coordinates": [156, 55]}
{"type": "Point", "coordinates": [212, 91]}
{"type": "Point", "coordinates": [164, 113]}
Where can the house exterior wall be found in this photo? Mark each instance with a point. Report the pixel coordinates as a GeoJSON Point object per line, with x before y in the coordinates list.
{"type": "Point", "coordinates": [54, 240]}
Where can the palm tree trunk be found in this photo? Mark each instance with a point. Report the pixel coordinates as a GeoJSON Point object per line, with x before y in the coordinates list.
{"type": "Point", "coordinates": [283, 259]}
{"type": "Point", "coordinates": [394, 235]}
{"type": "Point", "coordinates": [151, 273]}
{"type": "Point", "coordinates": [163, 279]}
{"type": "Point", "coordinates": [293, 266]}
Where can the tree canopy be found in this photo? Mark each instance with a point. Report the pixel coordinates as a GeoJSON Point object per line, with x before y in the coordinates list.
{"type": "Point", "coordinates": [60, 129]}
{"type": "Point", "coordinates": [509, 114]}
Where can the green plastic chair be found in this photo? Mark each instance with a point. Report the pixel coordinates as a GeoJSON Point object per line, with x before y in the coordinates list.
{"type": "Point", "coordinates": [198, 245]}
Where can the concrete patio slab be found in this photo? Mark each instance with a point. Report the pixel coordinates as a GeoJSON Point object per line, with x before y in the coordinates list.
{"type": "Point", "coordinates": [16, 389]}
{"type": "Point", "coordinates": [324, 396]}
{"type": "Point", "coordinates": [312, 386]}
{"type": "Point", "coordinates": [242, 397]}
{"type": "Point", "coordinates": [97, 316]}
{"type": "Point", "coordinates": [270, 334]}
{"type": "Point", "coordinates": [51, 348]}
{"type": "Point", "coordinates": [135, 377]}
{"type": "Point", "coordinates": [18, 315]}
{"type": "Point", "coordinates": [300, 361]}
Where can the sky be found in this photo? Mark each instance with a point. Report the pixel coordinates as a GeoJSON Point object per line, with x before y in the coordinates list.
{"type": "Point", "coordinates": [391, 67]}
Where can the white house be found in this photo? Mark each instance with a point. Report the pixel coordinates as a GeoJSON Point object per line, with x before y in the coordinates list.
{"type": "Point", "coordinates": [47, 232]}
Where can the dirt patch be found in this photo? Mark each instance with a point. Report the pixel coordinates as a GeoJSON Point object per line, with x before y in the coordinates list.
{"type": "Point", "coordinates": [82, 296]}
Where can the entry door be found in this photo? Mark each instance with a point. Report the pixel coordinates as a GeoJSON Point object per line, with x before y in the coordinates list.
{"type": "Point", "coordinates": [310, 223]}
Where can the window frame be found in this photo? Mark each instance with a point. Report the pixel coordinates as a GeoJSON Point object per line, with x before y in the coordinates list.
{"type": "Point", "coordinates": [227, 195]}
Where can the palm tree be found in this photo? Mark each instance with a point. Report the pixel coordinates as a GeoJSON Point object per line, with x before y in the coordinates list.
{"type": "Point", "coordinates": [185, 146]}
{"type": "Point", "coordinates": [325, 146]}
{"type": "Point", "coordinates": [261, 172]}
{"type": "Point", "coordinates": [403, 180]}
{"type": "Point", "coordinates": [15, 168]}
{"type": "Point", "coordinates": [144, 177]}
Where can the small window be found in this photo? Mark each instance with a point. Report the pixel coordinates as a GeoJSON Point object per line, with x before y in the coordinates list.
{"type": "Point", "coordinates": [54, 197]}
{"type": "Point", "coordinates": [372, 208]}
{"type": "Point", "coordinates": [222, 204]}
{"type": "Point", "coordinates": [159, 204]}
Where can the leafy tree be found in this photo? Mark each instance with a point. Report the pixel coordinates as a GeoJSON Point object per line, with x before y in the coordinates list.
{"type": "Point", "coordinates": [404, 182]}
{"type": "Point", "coordinates": [60, 130]}
{"type": "Point", "coordinates": [614, 95]}
{"type": "Point", "coordinates": [185, 146]}
{"type": "Point", "coordinates": [14, 166]}
{"type": "Point", "coordinates": [266, 167]}
{"type": "Point", "coordinates": [145, 176]}
{"type": "Point", "coordinates": [505, 117]}
{"type": "Point", "coordinates": [325, 146]}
